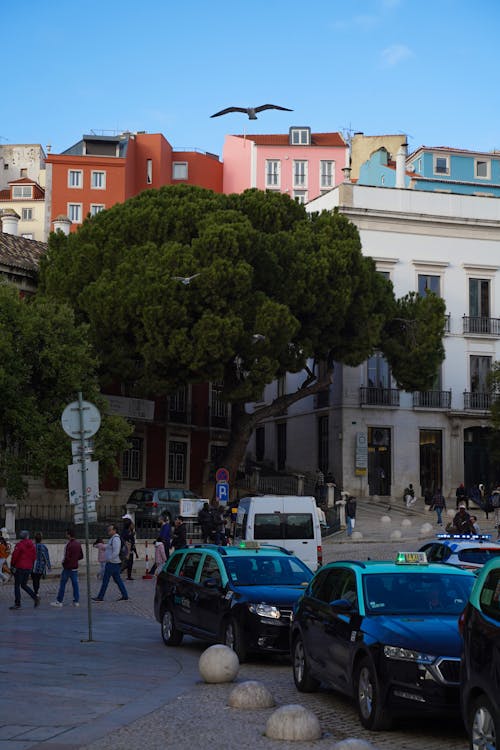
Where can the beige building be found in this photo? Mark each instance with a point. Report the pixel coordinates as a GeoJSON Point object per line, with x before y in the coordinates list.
{"type": "Point", "coordinates": [363, 146]}
{"type": "Point", "coordinates": [22, 188]}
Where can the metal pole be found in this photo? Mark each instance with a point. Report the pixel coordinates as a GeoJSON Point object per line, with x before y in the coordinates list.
{"type": "Point", "coordinates": [85, 510]}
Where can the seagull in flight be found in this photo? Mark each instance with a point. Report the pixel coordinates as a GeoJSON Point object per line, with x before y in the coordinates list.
{"type": "Point", "coordinates": [185, 279]}
{"type": "Point", "coordinates": [250, 111]}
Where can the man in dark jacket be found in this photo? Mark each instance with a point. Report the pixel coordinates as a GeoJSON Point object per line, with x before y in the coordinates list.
{"type": "Point", "coordinates": [179, 537]}
{"type": "Point", "coordinates": [205, 520]}
{"type": "Point", "coordinates": [73, 553]}
{"type": "Point", "coordinates": [22, 560]}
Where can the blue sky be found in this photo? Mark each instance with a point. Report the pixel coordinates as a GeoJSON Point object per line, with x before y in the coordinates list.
{"type": "Point", "coordinates": [428, 69]}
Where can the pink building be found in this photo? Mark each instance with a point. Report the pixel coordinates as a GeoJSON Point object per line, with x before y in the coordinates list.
{"type": "Point", "coordinates": [300, 163]}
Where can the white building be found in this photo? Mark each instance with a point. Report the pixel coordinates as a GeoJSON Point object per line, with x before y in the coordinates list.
{"type": "Point", "coordinates": [444, 242]}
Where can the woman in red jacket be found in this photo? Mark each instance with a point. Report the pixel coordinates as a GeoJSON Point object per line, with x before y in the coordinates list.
{"type": "Point", "coordinates": [22, 560]}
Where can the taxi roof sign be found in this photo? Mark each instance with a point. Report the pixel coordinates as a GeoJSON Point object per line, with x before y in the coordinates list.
{"type": "Point", "coordinates": [411, 558]}
{"type": "Point", "coordinates": [249, 544]}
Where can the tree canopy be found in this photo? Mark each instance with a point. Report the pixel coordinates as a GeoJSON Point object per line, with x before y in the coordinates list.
{"type": "Point", "coordinates": [45, 359]}
{"type": "Point", "coordinates": [267, 289]}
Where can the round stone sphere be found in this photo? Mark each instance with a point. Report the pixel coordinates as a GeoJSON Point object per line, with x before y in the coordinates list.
{"type": "Point", "coordinates": [218, 663]}
{"type": "Point", "coordinates": [406, 522]}
{"type": "Point", "coordinates": [385, 519]}
{"type": "Point", "coordinates": [293, 722]}
{"type": "Point", "coordinates": [396, 534]}
{"type": "Point", "coordinates": [252, 695]}
{"type": "Point", "coordinates": [351, 743]}
{"type": "Point", "coordinates": [426, 530]}
{"type": "Point", "coordinates": [356, 536]}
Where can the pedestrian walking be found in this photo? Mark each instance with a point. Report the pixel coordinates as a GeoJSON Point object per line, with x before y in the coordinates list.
{"type": "Point", "coordinates": [166, 534]}
{"type": "Point", "coordinates": [112, 567]}
{"type": "Point", "coordinates": [101, 555]}
{"type": "Point", "coordinates": [42, 562]}
{"type": "Point", "coordinates": [438, 504]}
{"type": "Point", "coordinates": [128, 537]}
{"type": "Point", "coordinates": [22, 561]}
{"type": "Point", "coordinates": [160, 556]}
{"type": "Point", "coordinates": [179, 535]}
{"type": "Point", "coordinates": [205, 520]}
{"type": "Point", "coordinates": [461, 495]}
{"type": "Point", "coordinates": [73, 553]}
{"type": "Point", "coordinates": [4, 554]}
{"type": "Point", "coordinates": [350, 514]}
{"type": "Point", "coordinates": [409, 495]}
{"type": "Point", "coordinates": [495, 504]}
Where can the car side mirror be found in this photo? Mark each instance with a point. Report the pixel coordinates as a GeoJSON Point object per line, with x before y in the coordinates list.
{"type": "Point", "coordinates": [341, 605]}
{"type": "Point", "coordinates": [211, 583]}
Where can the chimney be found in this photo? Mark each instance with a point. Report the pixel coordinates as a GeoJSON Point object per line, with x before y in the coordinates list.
{"type": "Point", "coordinates": [62, 223]}
{"type": "Point", "coordinates": [401, 165]}
{"type": "Point", "coordinates": [347, 173]}
{"type": "Point", "coordinates": [10, 220]}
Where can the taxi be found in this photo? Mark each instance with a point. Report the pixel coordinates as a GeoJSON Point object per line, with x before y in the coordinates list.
{"type": "Point", "coordinates": [383, 633]}
{"type": "Point", "coordinates": [241, 596]}
{"type": "Point", "coordinates": [468, 551]}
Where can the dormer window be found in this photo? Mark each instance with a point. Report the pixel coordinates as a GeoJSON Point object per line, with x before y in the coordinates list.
{"type": "Point", "coordinates": [300, 136]}
{"type": "Point", "coordinates": [22, 191]}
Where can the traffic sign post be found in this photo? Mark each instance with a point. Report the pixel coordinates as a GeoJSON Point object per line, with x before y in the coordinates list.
{"type": "Point", "coordinates": [222, 475]}
{"type": "Point", "coordinates": [222, 491]}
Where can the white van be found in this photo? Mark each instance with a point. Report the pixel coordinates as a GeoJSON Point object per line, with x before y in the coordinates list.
{"type": "Point", "coordinates": [289, 521]}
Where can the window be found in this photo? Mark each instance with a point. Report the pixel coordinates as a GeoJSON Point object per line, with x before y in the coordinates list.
{"type": "Point", "coordinates": [300, 136]}
{"type": "Point", "coordinates": [27, 214]}
{"type": "Point", "coordinates": [281, 445]}
{"type": "Point", "coordinates": [281, 386]}
{"type": "Point", "coordinates": [75, 178]}
{"type": "Point", "coordinates": [300, 174]}
{"type": "Point", "coordinates": [378, 372]}
{"type": "Point", "coordinates": [489, 597]}
{"type": "Point", "coordinates": [22, 191]}
{"type": "Point", "coordinates": [98, 180]}
{"type": "Point", "coordinates": [219, 406]}
{"type": "Point", "coordinates": [24, 172]}
{"type": "Point", "coordinates": [260, 443]}
{"type": "Point", "coordinates": [482, 168]}
{"type": "Point", "coordinates": [27, 235]}
{"type": "Point", "coordinates": [217, 451]}
{"type": "Point", "coordinates": [326, 174]}
{"type": "Point", "coordinates": [75, 212]}
{"type": "Point", "coordinates": [132, 460]}
{"type": "Point", "coordinates": [323, 451]}
{"type": "Point", "coordinates": [177, 459]}
{"type": "Point", "coordinates": [479, 371]}
{"type": "Point", "coordinates": [300, 196]}
{"type": "Point", "coordinates": [479, 298]}
{"type": "Point", "coordinates": [149, 171]}
{"type": "Point", "coordinates": [96, 208]}
{"type": "Point", "coordinates": [428, 283]}
{"type": "Point", "coordinates": [211, 569]}
{"type": "Point", "coordinates": [180, 170]}
{"type": "Point", "coordinates": [441, 165]}
{"type": "Point", "coordinates": [190, 565]}
{"type": "Point", "coordinates": [272, 173]}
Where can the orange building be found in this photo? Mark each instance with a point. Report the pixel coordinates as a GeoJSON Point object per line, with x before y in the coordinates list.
{"type": "Point", "coordinates": [99, 171]}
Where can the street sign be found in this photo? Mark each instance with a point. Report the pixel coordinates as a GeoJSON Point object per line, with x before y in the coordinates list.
{"type": "Point", "coordinates": [91, 418]}
{"type": "Point", "coordinates": [222, 491]}
{"type": "Point", "coordinates": [91, 482]}
{"type": "Point", "coordinates": [80, 518]}
{"type": "Point", "coordinates": [77, 450]}
{"type": "Point", "coordinates": [222, 475]}
{"type": "Point", "coordinates": [78, 507]}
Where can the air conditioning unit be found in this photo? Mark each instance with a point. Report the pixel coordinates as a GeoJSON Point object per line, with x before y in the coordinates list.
{"type": "Point", "coordinates": [380, 437]}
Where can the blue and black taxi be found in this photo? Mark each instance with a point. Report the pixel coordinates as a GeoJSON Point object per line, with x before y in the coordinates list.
{"type": "Point", "coordinates": [384, 633]}
{"type": "Point", "coordinates": [469, 551]}
{"type": "Point", "coordinates": [242, 596]}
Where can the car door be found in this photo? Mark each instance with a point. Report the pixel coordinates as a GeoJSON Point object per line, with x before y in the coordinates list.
{"type": "Point", "coordinates": [211, 600]}
{"type": "Point", "coordinates": [185, 591]}
{"type": "Point", "coordinates": [313, 610]}
{"type": "Point", "coordinates": [339, 629]}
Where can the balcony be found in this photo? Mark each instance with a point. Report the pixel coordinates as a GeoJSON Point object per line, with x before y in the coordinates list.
{"type": "Point", "coordinates": [374, 396]}
{"type": "Point", "coordinates": [219, 417]}
{"type": "Point", "coordinates": [478, 400]}
{"type": "Point", "coordinates": [432, 400]}
{"type": "Point", "coordinates": [481, 326]}
{"type": "Point", "coordinates": [447, 323]}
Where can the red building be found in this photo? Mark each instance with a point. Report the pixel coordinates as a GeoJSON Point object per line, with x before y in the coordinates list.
{"type": "Point", "coordinates": [99, 171]}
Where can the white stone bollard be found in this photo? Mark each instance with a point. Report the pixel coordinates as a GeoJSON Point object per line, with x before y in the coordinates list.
{"type": "Point", "coordinates": [352, 743]}
{"type": "Point", "coordinates": [356, 536]}
{"type": "Point", "coordinates": [293, 722]}
{"type": "Point", "coordinates": [218, 663]}
{"type": "Point", "coordinates": [406, 522]}
{"type": "Point", "coordinates": [385, 519]}
{"type": "Point", "coordinates": [396, 534]}
{"type": "Point", "coordinates": [426, 530]}
{"type": "Point", "coordinates": [251, 695]}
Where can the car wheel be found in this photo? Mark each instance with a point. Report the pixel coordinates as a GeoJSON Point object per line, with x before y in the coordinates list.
{"type": "Point", "coordinates": [171, 636]}
{"type": "Point", "coordinates": [233, 637]}
{"type": "Point", "coordinates": [304, 681]}
{"type": "Point", "coordinates": [484, 728]}
{"type": "Point", "coordinates": [372, 713]}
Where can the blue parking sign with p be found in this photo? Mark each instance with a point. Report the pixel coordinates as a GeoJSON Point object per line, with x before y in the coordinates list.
{"type": "Point", "coordinates": [222, 491]}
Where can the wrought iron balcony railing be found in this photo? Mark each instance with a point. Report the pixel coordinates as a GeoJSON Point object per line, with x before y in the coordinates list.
{"type": "Point", "coordinates": [478, 400]}
{"type": "Point", "coordinates": [481, 326]}
{"type": "Point", "coordinates": [375, 396]}
{"type": "Point", "coordinates": [432, 399]}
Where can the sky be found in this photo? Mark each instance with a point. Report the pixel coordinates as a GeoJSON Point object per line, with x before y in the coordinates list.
{"type": "Point", "coordinates": [425, 68]}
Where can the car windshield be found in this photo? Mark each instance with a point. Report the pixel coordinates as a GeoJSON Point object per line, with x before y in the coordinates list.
{"type": "Point", "coordinates": [416, 593]}
{"type": "Point", "coordinates": [478, 555]}
{"type": "Point", "coordinates": [262, 570]}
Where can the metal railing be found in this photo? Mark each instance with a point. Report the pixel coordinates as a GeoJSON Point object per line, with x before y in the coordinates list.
{"type": "Point", "coordinates": [479, 400]}
{"type": "Point", "coordinates": [374, 396]}
{"type": "Point", "coordinates": [482, 326]}
{"type": "Point", "coordinates": [432, 399]}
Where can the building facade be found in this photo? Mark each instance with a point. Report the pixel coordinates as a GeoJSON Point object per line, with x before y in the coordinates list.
{"type": "Point", "coordinates": [372, 436]}
{"type": "Point", "coordinates": [300, 163]}
{"type": "Point", "coordinates": [22, 188]}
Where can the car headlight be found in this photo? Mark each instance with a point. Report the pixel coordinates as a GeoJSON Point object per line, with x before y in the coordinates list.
{"type": "Point", "coordinates": [265, 610]}
{"type": "Point", "coordinates": [407, 654]}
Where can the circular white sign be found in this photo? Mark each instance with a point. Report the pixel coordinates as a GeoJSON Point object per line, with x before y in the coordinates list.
{"type": "Point", "coordinates": [70, 419]}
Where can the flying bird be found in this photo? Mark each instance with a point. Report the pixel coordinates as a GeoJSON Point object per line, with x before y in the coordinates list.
{"type": "Point", "coordinates": [250, 111]}
{"type": "Point", "coordinates": [185, 279]}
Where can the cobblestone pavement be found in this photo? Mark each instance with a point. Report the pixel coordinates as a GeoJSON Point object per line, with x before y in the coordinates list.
{"type": "Point", "coordinates": [199, 716]}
